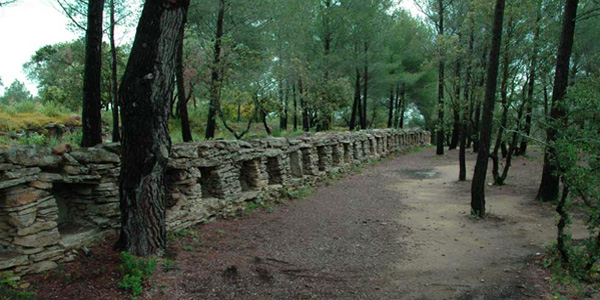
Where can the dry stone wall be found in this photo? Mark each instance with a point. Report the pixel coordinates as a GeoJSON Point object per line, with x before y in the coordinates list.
{"type": "Point", "coordinates": [53, 205]}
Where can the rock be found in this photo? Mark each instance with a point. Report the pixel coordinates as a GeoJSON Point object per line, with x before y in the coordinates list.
{"type": "Point", "coordinates": [9, 260]}
{"type": "Point", "coordinates": [37, 227]}
{"type": "Point", "coordinates": [37, 267]}
{"type": "Point", "coordinates": [61, 149]}
{"type": "Point", "coordinates": [14, 182]}
{"type": "Point", "coordinates": [43, 185]}
{"type": "Point", "coordinates": [50, 177]}
{"type": "Point", "coordinates": [41, 239]}
{"type": "Point", "coordinates": [47, 255]}
{"type": "Point", "coordinates": [19, 173]}
{"type": "Point", "coordinates": [20, 196]}
{"type": "Point", "coordinates": [31, 156]}
{"type": "Point", "coordinates": [95, 155]}
{"type": "Point", "coordinates": [23, 220]}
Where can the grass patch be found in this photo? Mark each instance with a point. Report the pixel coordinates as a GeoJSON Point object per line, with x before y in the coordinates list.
{"type": "Point", "coordinates": [136, 272]}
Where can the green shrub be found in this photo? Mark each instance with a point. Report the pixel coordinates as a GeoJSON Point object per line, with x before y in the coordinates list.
{"type": "Point", "coordinates": [10, 290]}
{"type": "Point", "coordinates": [136, 271]}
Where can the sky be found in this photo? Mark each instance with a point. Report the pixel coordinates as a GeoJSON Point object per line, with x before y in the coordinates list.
{"type": "Point", "coordinates": [25, 27]}
{"type": "Point", "coordinates": [29, 25]}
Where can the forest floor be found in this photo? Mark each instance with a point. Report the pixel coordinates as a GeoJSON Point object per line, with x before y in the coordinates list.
{"type": "Point", "coordinates": [398, 230]}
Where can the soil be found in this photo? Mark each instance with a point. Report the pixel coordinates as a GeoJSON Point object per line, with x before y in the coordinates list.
{"type": "Point", "coordinates": [398, 230]}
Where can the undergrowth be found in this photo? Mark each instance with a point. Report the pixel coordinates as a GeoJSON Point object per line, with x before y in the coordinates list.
{"type": "Point", "coordinates": [10, 290]}
{"type": "Point", "coordinates": [136, 272]}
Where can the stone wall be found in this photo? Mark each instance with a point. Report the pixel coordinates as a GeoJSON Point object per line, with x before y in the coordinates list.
{"type": "Point", "coordinates": [52, 205]}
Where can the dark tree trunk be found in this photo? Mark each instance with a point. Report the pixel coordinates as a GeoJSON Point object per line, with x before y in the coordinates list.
{"type": "Point", "coordinates": [294, 96]}
{"type": "Point", "coordinates": [466, 120]}
{"type": "Point", "coordinates": [263, 118]}
{"type": "Point", "coordinates": [391, 110]}
{"type": "Point", "coordinates": [397, 107]}
{"type": "Point", "coordinates": [356, 104]}
{"type": "Point", "coordinates": [181, 94]}
{"type": "Point", "coordinates": [145, 93]}
{"type": "Point", "coordinates": [116, 135]}
{"type": "Point", "coordinates": [478, 185]}
{"type": "Point", "coordinates": [549, 186]}
{"type": "Point", "coordinates": [283, 112]}
{"type": "Point", "coordinates": [305, 123]}
{"type": "Point", "coordinates": [531, 86]}
{"type": "Point", "coordinates": [215, 83]}
{"type": "Point", "coordinates": [403, 110]}
{"type": "Point", "coordinates": [458, 106]}
{"type": "Point", "coordinates": [364, 119]}
{"type": "Point", "coordinates": [441, 67]}
{"type": "Point", "coordinates": [92, 76]}
{"type": "Point", "coordinates": [504, 99]}
{"type": "Point", "coordinates": [477, 120]}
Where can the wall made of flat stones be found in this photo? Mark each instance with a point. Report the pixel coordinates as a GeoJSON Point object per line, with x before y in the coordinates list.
{"type": "Point", "coordinates": [54, 204]}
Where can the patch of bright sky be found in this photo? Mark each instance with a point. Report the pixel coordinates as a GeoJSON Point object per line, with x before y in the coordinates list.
{"type": "Point", "coordinates": [26, 26]}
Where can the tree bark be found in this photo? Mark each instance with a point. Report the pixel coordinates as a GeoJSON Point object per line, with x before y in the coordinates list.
{"type": "Point", "coordinates": [145, 93]}
{"type": "Point", "coordinates": [295, 108]}
{"type": "Point", "coordinates": [441, 67]}
{"type": "Point", "coordinates": [391, 108]}
{"type": "Point", "coordinates": [403, 109]}
{"type": "Point", "coordinates": [548, 190]}
{"type": "Point", "coordinates": [116, 135]}
{"type": "Point", "coordinates": [478, 184]}
{"type": "Point", "coordinates": [92, 76]}
{"type": "Point", "coordinates": [215, 86]}
{"type": "Point", "coordinates": [181, 94]}
{"type": "Point", "coordinates": [356, 104]}
{"type": "Point", "coordinates": [364, 119]}
{"type": "Point", "coordinates": [303, 107]}
{"type": "Point", "coordinates": [457, 107]}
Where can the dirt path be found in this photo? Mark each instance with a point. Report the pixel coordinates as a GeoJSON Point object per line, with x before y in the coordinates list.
{"type": "Point", "coordinates": [400, 230]}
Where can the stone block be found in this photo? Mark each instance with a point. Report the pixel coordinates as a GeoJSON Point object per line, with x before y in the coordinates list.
{"type": "Point", "coordinates": [19, 196]}
{"type": "Point", "coordinates": [41, 239]}
{"type": "Point", "coordinates": [36, 227]}
{"type": "Point", "coordinates": [36, 268]}
{"type": "Point", "coordinates": [11, 259]}
{"type": "Point", "coordinates": [95, 155]}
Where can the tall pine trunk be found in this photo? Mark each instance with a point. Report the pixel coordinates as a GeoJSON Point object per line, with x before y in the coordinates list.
{"type": "Point", "coordinates": [441, 67]}
{"type": "Point", "coordinates": [116, 135]}
{"type": "Point", "coordinates": [295, 107]}
{"type": "Point", "coordinates": [478, 184]}
{"type": "Point", "coordinates": [356, 103]}
{"type": "Point", "coordinates": [215, 83]}
{"type": "Point", "coordinates": [182, 99]}
{"type": "Point", "coordinates": [92, 76]}
{"type": "Point", "coordinates": [548, 190]}
{"type": "Point", "coordinates": [363, 119]}
{"type": "Point", "coordinates": [145, 94]}
{"type": "Point", "coordinates": [391, 109]}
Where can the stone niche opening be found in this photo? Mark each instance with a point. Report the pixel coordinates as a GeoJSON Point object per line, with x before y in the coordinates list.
{"type": "Point", "coordinates": [372, 147]}
{"type": "Point", "coordinates": [355, 150]}
{"type": "Point", "coordinates": [322, 154]}
{"type": "Point", "coordinates": [346, 153]}
{"type": "Point", "coordinates": [209, 182]}
{"type": "Point", "coordinates": [79, 216]}
{"type": "Point", "coordinates": [249, 175]}
{"type": "Point", "coordinates": [335, 155]}
{"type": "Point", "coordinates": [296, 164]}
{"type": "Point", "coordinates": [274, 171]}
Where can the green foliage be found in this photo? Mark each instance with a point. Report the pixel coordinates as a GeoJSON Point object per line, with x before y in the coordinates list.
{"type": "Point", "coordinates": [136, 271]}
{"type": "Point", "coordinates": [578, 160]}
{"type": "Point", "coordinates": [9, 289]}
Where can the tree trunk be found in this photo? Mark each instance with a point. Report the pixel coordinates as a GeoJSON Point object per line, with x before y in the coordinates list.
{"type": "Point", "coordinates": [295, 108]}
{"type": "Point", "coordinates": [531, 86]}
{"type": "Point", "coordinates": [441, 67]}
{"type": "Point", "coordinates": [364, 119]}
{"type": "Point", "coordinates": [391, 110]}
{"type": "Point", "coordinates": [457, 107]}
{"type": "Point", "coordinates": [92, 76]}
{"type": "Point", "coordinates": [283, 112]}
{"type": "Point", "coordinates": [215, 83]}
{"type": "Point", "coordinates": [181, 94]}
{"type": "Point", "coordinates": [116, 136]}
{"type": "Point", "coordinates": [549, 186]}
{"type": "Point", "coordinates": [403, 110]}
{"type": "Point", "coordinates": [356, 104]}
{"type": "Point", "coordinates": [145, 93]}
{"type": "Point", "coordinates": [305, 123]}
{"type": "Point", "coordinates": [478, 185]}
